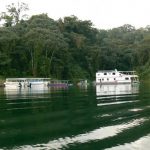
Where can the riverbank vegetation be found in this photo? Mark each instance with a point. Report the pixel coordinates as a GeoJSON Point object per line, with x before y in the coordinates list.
{"type": "Point", "coordinates": [68, 48]}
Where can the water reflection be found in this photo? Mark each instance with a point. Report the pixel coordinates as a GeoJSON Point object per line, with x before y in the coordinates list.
{"type": "Point", "coordinates": [98, 134]}
{"type": "Point", "coordinates": [119, 89]}
{"type": "Point", "coordinates": [29, 92]}
{"type": "Point", "coordinates": [142, 143]}
{"type": "Point", "coordinates": [22, 92]}
{"type": "Point", "coordinates": [101, 117]}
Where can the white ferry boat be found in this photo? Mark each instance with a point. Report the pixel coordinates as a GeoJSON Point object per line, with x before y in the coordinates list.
{"type": "Point", "coordinates": [26, 82]}
{"type": "Point", "coordinates": [116, 77]}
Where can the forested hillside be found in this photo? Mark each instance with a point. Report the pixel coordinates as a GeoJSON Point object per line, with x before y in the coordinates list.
{"type": "Point", "coordinates": [70, 48]}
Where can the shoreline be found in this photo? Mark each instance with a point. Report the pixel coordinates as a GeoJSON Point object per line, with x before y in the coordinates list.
{"type": "Point", "coordinates": [2, 83]}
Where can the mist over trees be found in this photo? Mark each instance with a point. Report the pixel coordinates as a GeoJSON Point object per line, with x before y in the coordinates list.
{"type": "Point", "coordinates": [68, 48]}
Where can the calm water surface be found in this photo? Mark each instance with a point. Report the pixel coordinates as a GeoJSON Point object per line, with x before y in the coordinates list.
{"type": "Point", "coordinates": [102, 117]}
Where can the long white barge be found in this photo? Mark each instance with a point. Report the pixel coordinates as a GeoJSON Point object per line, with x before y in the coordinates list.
{"type": "Point", "coordinates": [26, 82]}
{"type": "Point", "coordinates": [13, 83]}
{"type": "Point", "coordinates": [116, 77]}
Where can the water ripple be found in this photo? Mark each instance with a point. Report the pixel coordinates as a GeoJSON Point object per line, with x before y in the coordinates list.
{"type": "Point", "coordinates": [97, 134]}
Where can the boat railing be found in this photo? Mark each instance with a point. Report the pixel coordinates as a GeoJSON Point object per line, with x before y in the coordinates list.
{"type": "Point", "coordinates": [128, 72]}
{"type": "Point", "coordinates": [58, 83]}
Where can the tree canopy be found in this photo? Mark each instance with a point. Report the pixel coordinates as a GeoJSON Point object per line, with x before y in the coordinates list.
{"type": "Point", "coordinates": [68, 48]}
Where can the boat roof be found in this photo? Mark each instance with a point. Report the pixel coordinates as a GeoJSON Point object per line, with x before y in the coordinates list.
{"type": "Point", "coordinates": [25, 78]}
{"type": "Point", "coordinates": [106, 71]}
{"type": "Point", "coordinates": [116, 71]}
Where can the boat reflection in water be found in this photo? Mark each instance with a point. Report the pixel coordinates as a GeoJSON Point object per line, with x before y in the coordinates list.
{"type": "Point", "coordinates": [117, 89]}
{"type": "Point", "coordinates": [27, 92]}
{"type": "Point", "coordinates": [108, 95]}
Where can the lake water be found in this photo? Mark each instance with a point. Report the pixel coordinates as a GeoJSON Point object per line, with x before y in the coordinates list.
{"type": "Point", "coordinates": [115, 117]}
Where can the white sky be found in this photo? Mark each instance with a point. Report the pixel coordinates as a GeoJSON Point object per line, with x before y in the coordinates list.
{"type": "Point", "coordinates": [104, 14]}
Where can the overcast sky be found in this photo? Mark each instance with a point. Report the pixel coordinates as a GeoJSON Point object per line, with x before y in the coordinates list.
{"type": "Point", "coordinates": [104, 14]}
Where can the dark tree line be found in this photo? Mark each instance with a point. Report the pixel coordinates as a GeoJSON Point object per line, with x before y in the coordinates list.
{"type": "Point", "coordinates": [68, 48]}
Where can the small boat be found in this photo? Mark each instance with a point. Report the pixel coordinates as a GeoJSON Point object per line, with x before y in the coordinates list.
{"type": "Point", "coordinates": [116, 77]}
{"type": "Point", "coordinates": [82, 82]}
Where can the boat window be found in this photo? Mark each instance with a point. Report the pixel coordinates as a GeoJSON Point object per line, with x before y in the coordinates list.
{"type": "Point", "coordinates": [113, 73]}
{"type": "Point", "coordinates": [107, 79]}
{"type": "Point", "coordinates": [105, 73]}
{"type": "Point", "coordinates": [102, 79]}
{"type": "Point", "coordinates": [126, 78]}
{"type": "Point", "coordinates": [114, 78]}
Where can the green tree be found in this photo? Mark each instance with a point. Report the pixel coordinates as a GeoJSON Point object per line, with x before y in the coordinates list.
{"type": "Point", "coordinates": [14, 14]}
{"type": "Point", "coordinates": [45, 43]}
{"type": "Point", "coordinates": [8, 40]}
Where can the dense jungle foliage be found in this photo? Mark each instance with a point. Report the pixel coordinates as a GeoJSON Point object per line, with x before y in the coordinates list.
{"type": "Point", "coordinates": [69, 48]}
